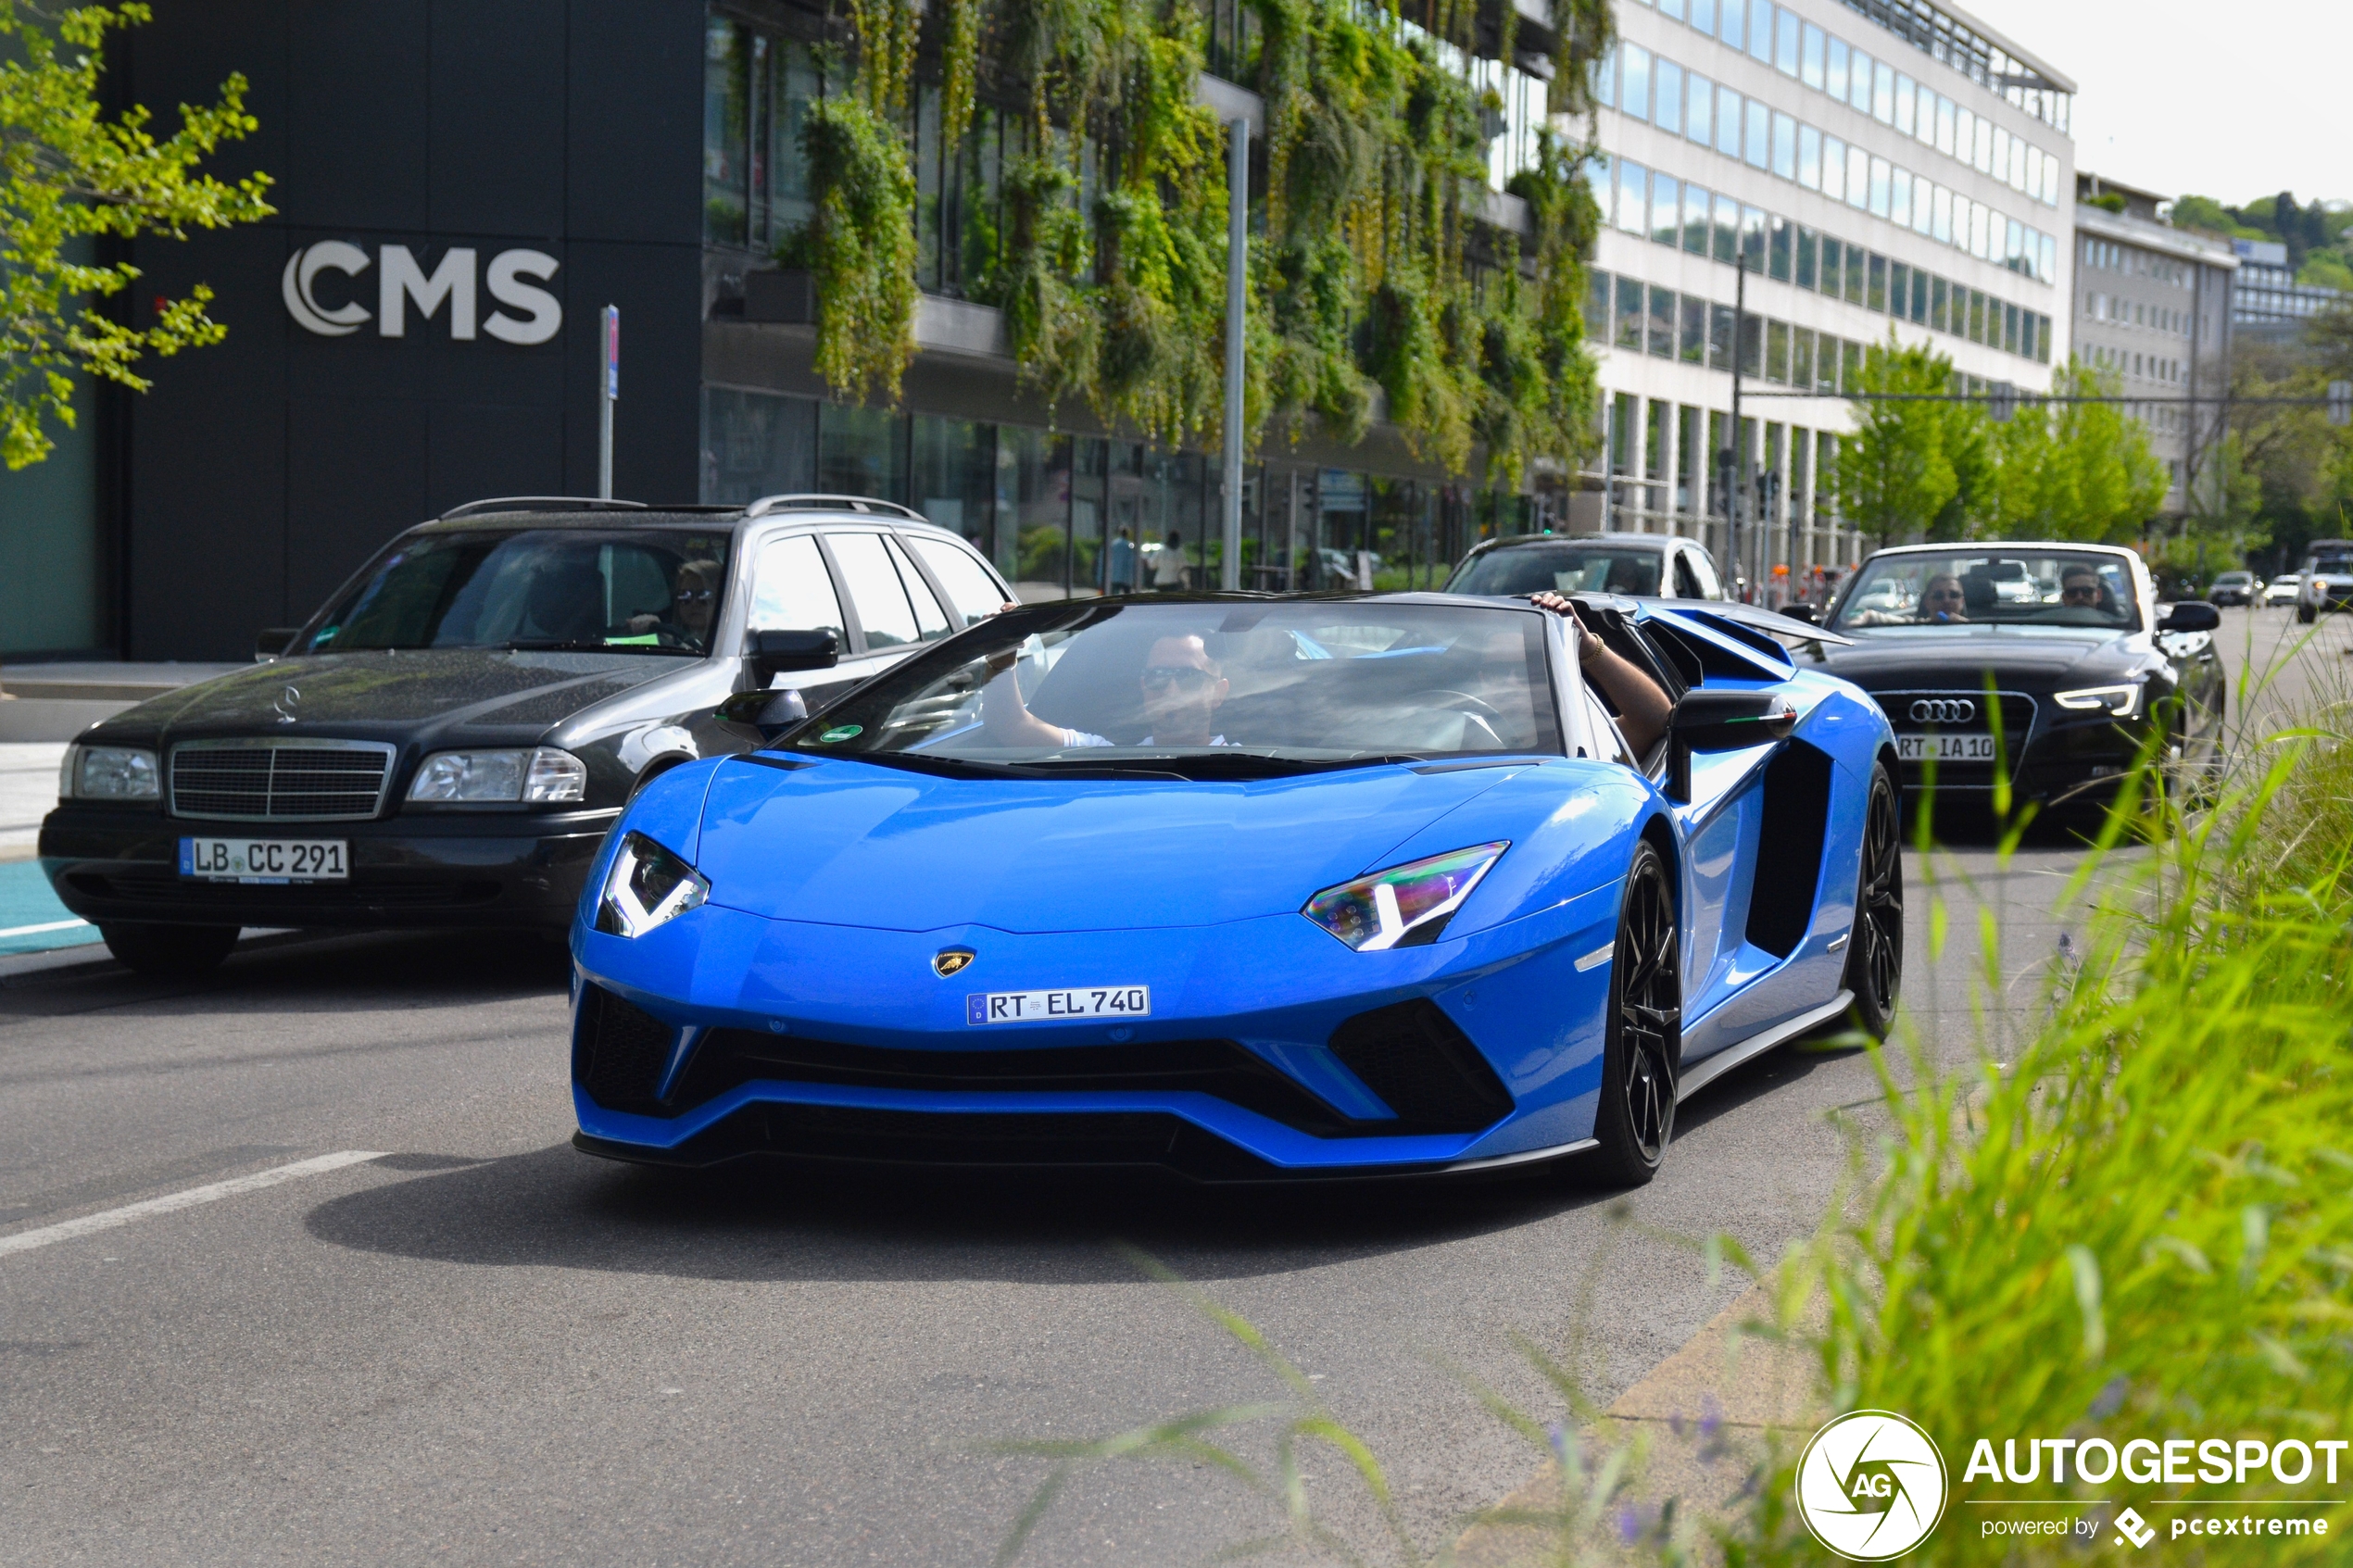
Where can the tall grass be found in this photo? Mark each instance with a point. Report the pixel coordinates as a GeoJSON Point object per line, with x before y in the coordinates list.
{"type": "Point", "coordinates": [2134, 1220]}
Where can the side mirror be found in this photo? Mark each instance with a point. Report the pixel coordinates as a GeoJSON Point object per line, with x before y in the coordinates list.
{"type": "Point", "coordinates": [1721, 721]}
{"type": "Point", "coordinates": [272, 642]}
{"type": "Point", "coordinates": [2191, 615]}
{"type": "Point", "coordinates": [762, 716]}
{"type": "Point", "coordinates": [1805, 612]}
{"type": "Point", "coordinates": [767, 654]}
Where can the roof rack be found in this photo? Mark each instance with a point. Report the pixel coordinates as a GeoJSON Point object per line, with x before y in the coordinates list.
{"type": "Point", "coordinates": [542, 504]}
{"type": "Point", "coordinates": [768, 504]}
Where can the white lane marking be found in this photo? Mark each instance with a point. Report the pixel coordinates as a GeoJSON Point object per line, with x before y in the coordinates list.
{"type": "Point", "coordinates": [1597, 958]}
{"type": "Point", "coordinates": [37, 930]}
{"type": "Point", "coordinates": [106, 1219]}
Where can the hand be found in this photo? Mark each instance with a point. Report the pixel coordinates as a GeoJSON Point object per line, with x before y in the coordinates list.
{"type": "Point", "coordinates": [644, 623]}
{"type": "Point", "coordinates": [1589, 647]}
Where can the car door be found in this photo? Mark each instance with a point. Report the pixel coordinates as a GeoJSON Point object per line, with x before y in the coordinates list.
{"type": "Point", "coordinates": [893, 611]}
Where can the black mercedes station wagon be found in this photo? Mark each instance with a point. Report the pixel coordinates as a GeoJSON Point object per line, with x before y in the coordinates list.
{"type": "Point", "coordinates": [2051, 660]}
{"type": "Point", "coordinates": [446, 741]}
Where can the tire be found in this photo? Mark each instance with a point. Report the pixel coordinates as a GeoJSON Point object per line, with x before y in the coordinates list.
{"type": "Point", "coordinates": [1642, 1031]}
{"type": "Point", "coordinates": [172, 952]}
{"type": "Point", "coordinates": [1875, 951]}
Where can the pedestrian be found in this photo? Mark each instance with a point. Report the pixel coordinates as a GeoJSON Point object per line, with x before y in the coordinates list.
{"type": "Point", "coordinates": [1122, 563]}
{"type": "Point", "coordinates": [1170, 574]}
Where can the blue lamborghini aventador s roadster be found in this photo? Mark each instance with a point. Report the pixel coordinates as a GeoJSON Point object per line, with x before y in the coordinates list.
{"type": "Point", "coordinates": [1250, 887]}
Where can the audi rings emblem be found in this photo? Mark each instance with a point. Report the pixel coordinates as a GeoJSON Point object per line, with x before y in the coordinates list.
{"type": "Point", "coordinates": [1944, 710]}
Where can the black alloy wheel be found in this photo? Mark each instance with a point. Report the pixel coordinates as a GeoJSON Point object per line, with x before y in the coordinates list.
{"type": "Point", "coordinates": [169, 952]}
{"type": "Point", "coordinates": [1642, 1038]}
{"type": "Point", "coordinates": [1875, 945]}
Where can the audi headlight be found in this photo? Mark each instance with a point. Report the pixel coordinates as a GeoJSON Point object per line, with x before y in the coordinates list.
{"type": "Point", "coordinates": [1404, 906]}
{"type": "Point", "coordinates": [2116, 702]}
{"type": "Point", "coordinates": [108, 772]}
{"type": "Point", "coordinates": [543, 775]}
{"type": "Point", "coordinates": [646, 887]}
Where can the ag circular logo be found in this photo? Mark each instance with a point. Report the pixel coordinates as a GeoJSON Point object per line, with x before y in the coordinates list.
{"type": "Point", "coordinates": [1870, 1486]}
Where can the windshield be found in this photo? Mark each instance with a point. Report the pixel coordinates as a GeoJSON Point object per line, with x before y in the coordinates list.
{"type": "Point", "coordinates": [2004, 585]}
{"type": "Point", "coordinates": [1563, 568]}
{"type": "Point", "coordinates": [2332, 562]}
{"type": "Point", "coordinates": [643, 591]}
{"type": "Point", "coordinates": [1208, 690]}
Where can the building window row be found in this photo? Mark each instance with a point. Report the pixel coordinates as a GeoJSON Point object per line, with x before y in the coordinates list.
{"type": "Point", "coordinates": [1952, 42]}
{"type": "Point", "coordinates": [2147, 366]}
{"type": "Point", "coordinates": [1685, 217]}
{"type": "Point", "coordinates": [1799, 49]}
{"type": "Point", "coordinates": [2109, 256]}
{"type": "Point", "coordinates": [1640, 317]}
{"type": "Point", "coordinates": [1714, 115]}
{"type": "Point", "coordinates": [2108, 308]}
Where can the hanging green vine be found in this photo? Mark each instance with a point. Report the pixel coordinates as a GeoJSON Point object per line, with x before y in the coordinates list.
{"type": "Point", "coordinates": [1382, 275]}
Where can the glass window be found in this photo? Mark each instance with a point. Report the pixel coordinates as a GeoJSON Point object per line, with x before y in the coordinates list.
{"type": "Point", "coordinates": [1703, 16]}
{"type": "Point", "coordinates": [1727, 22]}
{"type": "Point", "coordinates": [1834, 76]}
{"type": "Point", "coordinates": [726, 129]}
{"type": "Point", "coordinates": [1785, 43]}
{"type": "Point", "coordinates": [1833, 268]}
{"type": "Point", "coordinates": [792, 591]}
{"type": "Point", "coordinates": [1720, 337]}
{"type": "Point", "coordinates": [1834, 168]}
{"type": "Point", "coordinates": [2017, 585]}
{"type": "Point", "coordinates": [1630, 310]}
{"type": "Point", "coordinates": [862, 452]}
{"type": "Point", "coordinates": [1879, 176]}
{"type": "Point", "coordinates": [1605, 79]}
{"type": "Point", "coordinates": [1753, 237]}
{"type": "Point", "coordinates": [1858, 262]}
{"type": "Point", "coordinates": [1633, 197]}
{"type": "Point", "coordinates": [1920, 204]}
{"type": "Point", "coordinates": [955, 475]}
{"type": "Point", "coordinates": [1699, 98]}
{"type": "Point", "coordinates": [1984, 158]}
{"type": "Point", "coordinates": [971, 593]}
{"type": "Point", "coordinates": [2018, 165]}
{"type": "Point", "coordinates": [2000, 163]}
{"type": "Point", "coordinates": [1778, 256]}
{"type": "Point", "coordinates": [1634, 82]}
{"type": "Point", "coordinates": [1976, 315]}
{"type": "Point", "coordinates": [1666, 215]}
{"type": "Point", "coordinates": [1883, 92]}
{"type": "Point", "coordinates": [1784, 146]}
{"type": "Point", "coordinates": [1899, 199]}
{"type": "Point", "coordinates": [1669, 113]}
{"type": "Point", "coordinates": [2050, 259]}
{"type": "Point", "coordinates": [1809, 70]}
{"type": "Point", "coordinates": [1692, 348]}
{"type": "Point", "coordinates": [2009, 327]}
{"type": "Point", "coordinates": [1964, 136]}
{"type": "Point", "coordinates": [1936, 305]}
{"type": "Point", "coordinates": [1760, 30]}
{"type": "Point", "coordinates": [1808, 257]}
{"type": "Point", "coordinates": [1777, 352]}
{"type": "Point", "coordinates": [1728, 122]}
{"type": "Point", "coordinates": [1906, 92]}
{"type": "Point", "coordinates": [1662, 328]}
{"type": "Point", "coordinates": [1597, 305]}
{"type": "Point", "coordinates": [1751, 348]}
{"type": "Point", "coordinates": [1942, 220]}
{"type": "Point", "coordinates": [1728, 228]}
{"type": "Point", "coordinates": [1859, 176]}
{"type": "Point", "coordinates": [1875, 295]}
{"type": "Point", "coordinates": [1801, 365]}
{"type": "Point", "coordinates": [1858, 80]}
{"type": "Point", "coordinates": [1694, 219]}
{"type": "Point", "coordinates": [875, 590]}
{"type": "Point", "coordinates": [1850, 364]}
{"type": "Point", "coordinates": [1920, 296]}
{"type": "Point", "coordinates": [1977, 232]}
{"type": "Point", "coordinates": [755, 444]}
{"type": "Point", "coordinates": [1944, 112]}
{"type": "Point", "coordinates": [930, 619]}
{"type": "Point", "coordinates": [1810, 158]}
{"type": "Point", "coordinates": [1759, 134]}
{"type": "Point", "coordinates": [1671, 8]}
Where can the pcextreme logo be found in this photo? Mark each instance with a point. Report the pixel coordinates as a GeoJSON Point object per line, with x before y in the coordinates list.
{"type": "Point", "coordinates": [401, 280]}
{"type": "Point", "coordinates": [1870, 1486]}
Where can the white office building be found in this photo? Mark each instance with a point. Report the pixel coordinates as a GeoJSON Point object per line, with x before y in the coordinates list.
{"type": "Point", "coordinates": [1883, 165]}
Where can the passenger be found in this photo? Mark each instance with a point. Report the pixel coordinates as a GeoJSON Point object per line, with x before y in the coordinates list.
{"type": "Point", "coordinates": [692, 603]}
{"type": "Point", "coordinates": [1942, 601]}
{"type": "Point", "coordinates": [1643, 709]}
{"type": "Point", "coordinates": [1182, 688]}
{"type": "Point", "coordinates": [2082, 587]}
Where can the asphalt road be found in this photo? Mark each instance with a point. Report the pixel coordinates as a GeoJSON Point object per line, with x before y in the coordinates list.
{"type": "Point", "coordinates": [484, 1347]}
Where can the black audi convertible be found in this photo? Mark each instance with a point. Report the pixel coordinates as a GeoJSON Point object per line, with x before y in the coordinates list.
{"type": "Point", "coordinates": [2053, 661]}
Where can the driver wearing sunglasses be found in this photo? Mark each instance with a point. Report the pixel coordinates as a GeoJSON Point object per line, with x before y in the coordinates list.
{"type": "Point", "coordinates": [1181, 686]}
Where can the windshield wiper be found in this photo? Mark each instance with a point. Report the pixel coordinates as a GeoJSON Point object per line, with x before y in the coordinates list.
{"type": "Point", "coordinates": [584, 645]}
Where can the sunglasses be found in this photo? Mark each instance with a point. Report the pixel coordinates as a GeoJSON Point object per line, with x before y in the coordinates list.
{"type": "Point", "coordinates": [1954, 594]}
{"type": "Point", "coordinates": [1184, 677]}
{"type": "Point", "coordinates": [693, 595]}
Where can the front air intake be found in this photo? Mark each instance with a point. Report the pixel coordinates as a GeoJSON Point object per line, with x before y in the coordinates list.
{"type": "Point", "coordinates": [1427, 1070]}
{"type": "Point", "coordinates": [620, 1052]}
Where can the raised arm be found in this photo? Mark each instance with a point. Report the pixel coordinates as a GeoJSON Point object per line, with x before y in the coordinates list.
{"type": "Point", "coordinates": [1643, 710]}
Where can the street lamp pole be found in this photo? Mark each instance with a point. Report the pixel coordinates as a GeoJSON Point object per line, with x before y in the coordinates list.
{"type": "Point", "coordinates": [1737, 468]}
{"type": "Point", "coordinates": [1229, 570]}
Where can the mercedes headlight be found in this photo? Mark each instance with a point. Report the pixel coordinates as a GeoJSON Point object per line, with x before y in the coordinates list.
{"type": "Point", "coordinates": [2116, 702]}
{"type": "Point", "coordinates": [541, 776]}
{"type": "Point", "coordinates": [1404, 906]}
{"type": "Point", "coordinates": [108, 772]}
{"type": "Point", "coordinates": [646, 887]}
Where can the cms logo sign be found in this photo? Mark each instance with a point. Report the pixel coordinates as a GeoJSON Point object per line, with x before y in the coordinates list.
{"type": "Point", "coordinates": [521, 311]}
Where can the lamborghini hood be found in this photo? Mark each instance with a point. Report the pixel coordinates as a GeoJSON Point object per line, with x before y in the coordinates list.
{"type": "Point", "coordinates": [845, 842]}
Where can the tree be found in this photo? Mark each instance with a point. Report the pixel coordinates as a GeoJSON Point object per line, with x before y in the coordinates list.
{"type": "Point", "coordinates": [70, 175]}
{"type": "Point", "coordinates": [2074, 471]}
{"type": "Point", "coordinates": [1896, 472]}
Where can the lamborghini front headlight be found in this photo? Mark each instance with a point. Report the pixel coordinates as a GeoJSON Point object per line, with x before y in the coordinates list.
{"type": "Point", "coordinates": [1404, 906]}
{"type": "Point", "coordinates": [646, 887]}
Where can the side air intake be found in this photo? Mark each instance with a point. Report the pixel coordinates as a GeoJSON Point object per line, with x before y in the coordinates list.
{"type": "Point", "coordinates": [1427, 1070]}
{"type": "Point", "coordinates": [1788, 855]}
{"type": "Point", "coordinates": [620, 1052]}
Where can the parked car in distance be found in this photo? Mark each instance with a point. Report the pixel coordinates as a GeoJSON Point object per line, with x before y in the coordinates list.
{"type": "Point", "coordinates": [1641, 566]}
{"type": "Point", "coordinates": [2281, 591]}
{"type": "Point", "coordinates": [2328, 579]}
{"type": "Point", "coordinates": [446, 741]}
{"type": "Point", "coordinates": [2234, 588]}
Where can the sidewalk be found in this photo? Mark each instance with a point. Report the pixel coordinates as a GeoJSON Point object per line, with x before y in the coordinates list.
{"type": "Point", "coordinates": [32, 919]}
{"type": "Point", "coordinates": [27, 790]}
